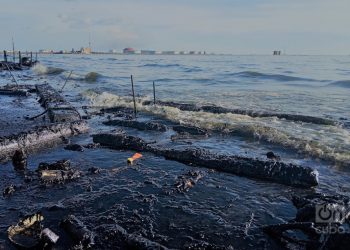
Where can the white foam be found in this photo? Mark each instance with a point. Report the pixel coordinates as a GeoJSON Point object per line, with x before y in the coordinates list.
{"type": "Point", "coordinates": [325, 142]}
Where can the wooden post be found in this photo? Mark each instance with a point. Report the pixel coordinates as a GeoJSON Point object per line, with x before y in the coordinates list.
{"type": "Point", "coordinates": [154, 93]}
{"type": "Point", "coordinates": [19, 58]}
{"type": "Point", "coordinates": [36, 56]}
{"type": "Point", "coordinates": [31, 58]}
{"type": "Point", "coordinates": [5, 56]}
{"type": "Point", "coordinates": [133, 95]}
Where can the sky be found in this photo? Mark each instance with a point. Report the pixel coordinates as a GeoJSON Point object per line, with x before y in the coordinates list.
{"type": "Point", "coordinates": [218, 26]}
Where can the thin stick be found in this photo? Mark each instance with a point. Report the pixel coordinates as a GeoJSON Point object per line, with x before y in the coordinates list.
{"type": "Point", "coordinates": [20, 58]}
{"type": "Point", "coordinates": [66, 80]}
{"type": "Point", "coordinates": [9, 70]}
{"type": "Point", "coordinates": [154, 93]}
{"type": "Point", "coordinates": [36, 56]}
{"type": "Point", "coordinates": [34, 117]}
{"type": "Point", "coordinates": [31, 58]}
{"type": "Point", "coordinates": [13, 51]}
{"type": "Point", "coordinates": [5, 56]}
{"type": "Point", "coordinates": [133, 95]}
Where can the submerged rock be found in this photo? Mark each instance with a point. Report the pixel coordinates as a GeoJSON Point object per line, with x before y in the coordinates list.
{"type": "Point", "coordinates": [57, 172]}
{"type": "Point", "coordinates": [58, 165]}
{"type": "Point", "coordinates": [8, 191]}
{"type": "Point", "coordinates": [116, 237]}
{"type": "Point", "coordinates": [190, 130]}
{"type": "Point", "coordinates": [80, 234]}
{"type": "Point", "coordinates": [19, 160]}
{"type": "Point", "coordinates": [322, 222]}
{"type": "Point", "coordinates": [74, 147]}
{"type": "Point", "coordinates": [137, 125]}
{"type": "Point", "coordinates": [288, 174]}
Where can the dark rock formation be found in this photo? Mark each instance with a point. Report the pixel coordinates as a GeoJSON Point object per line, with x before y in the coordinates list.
{"type": "Point", "coordinates": [322, 222]}
{"type": "Point", "coordinates": [8, 191]}
{"type": "Point", "coordinates": [58, 108]}
{"type": "Point", "coordinates": [279, 172]}
{"type": "Point", "coordinates": [39, 138]}
{"type": "Point", "coordinates": [78, 231]}
{"type": "Point", "coordinates": [19, 160]}
{"type": "Point", "coordinates": [74, 147]}
{"type": "Point", "coordinates": [116, 237]}
{"type": "Point", "coordinates": [190, 130]}
{"type": "Point", "coordinates": [137, 125]}
{"type": "Point", "coordinates": [63, 165]}
{"type": "Point", "coordinates": [57, 173]}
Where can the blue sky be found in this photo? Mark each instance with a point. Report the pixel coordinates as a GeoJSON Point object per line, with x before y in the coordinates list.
{"type": "Point", "coordinates": [227, 26]}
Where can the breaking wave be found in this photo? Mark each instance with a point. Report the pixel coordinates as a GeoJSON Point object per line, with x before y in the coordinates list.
{"type": "Point", "coordinates": [41, 69]}
{"type": "Point", "coordinates": [331, 143]}
{"type": "Point", "coordinates": [343, 84]}
{"type": "Point", "coordinates": [160, 65]}
{"type": "Point", "coordinates": [277, 77]}
{"type": "Point", "coordinates": [89, 77]}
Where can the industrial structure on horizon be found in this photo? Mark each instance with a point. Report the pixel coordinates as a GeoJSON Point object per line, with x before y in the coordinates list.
{"type": "Point", "coordinates": [126, 51]}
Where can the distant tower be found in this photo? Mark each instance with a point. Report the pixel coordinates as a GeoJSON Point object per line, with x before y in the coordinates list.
{"type": "Point", "coordinates": [90, 40]}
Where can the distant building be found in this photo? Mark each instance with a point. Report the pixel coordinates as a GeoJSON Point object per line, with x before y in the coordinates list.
{"type": "Point", "coordinates": [46, 51]}
{"type": "Point", "coordinates": [148, 52]}
{"type": "Point", "coordinates": [277, 52]}
{"type": "Point", "coordinates": [168, 52]}
{"type": "Point", "coordinates": [192, 52]}
{"type": "Point", "coordinates": [86, 50]}
{"type": "Point", "coordinates": [129, 51]}
{"type": "Point", "coordinates": [113, 51]}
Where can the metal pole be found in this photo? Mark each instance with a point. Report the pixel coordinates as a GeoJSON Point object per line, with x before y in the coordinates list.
{"type": "Point", "coordinates": [154, 93]}
{"type": "Point", "coordinates": [133, 95]}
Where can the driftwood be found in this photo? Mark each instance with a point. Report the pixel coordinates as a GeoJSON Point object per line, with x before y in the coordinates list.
{"type": "Point", "coordinates": [58, 108]}
{"type": "Point", "coordinates": [39, 138]}
{"type": "Point", "coordinates": [279, 172]}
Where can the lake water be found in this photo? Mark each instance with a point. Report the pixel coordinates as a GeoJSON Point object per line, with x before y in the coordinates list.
{"type": "Point", "coordinates": [217, 209]}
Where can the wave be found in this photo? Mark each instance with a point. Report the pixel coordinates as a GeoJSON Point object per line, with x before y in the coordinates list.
{"type": "Point", "coordinates": [331, 143]}
{"type": "Point", "coordinates": [160, 65]}
{"type": "Point", "coordinates": [343, 84]}
{"type": "Point", "coordinates": [41, 69]}
{"type": "Point", "coordinates": [89, 77]}
{"type": "Point", "coordinates": [264, 76]}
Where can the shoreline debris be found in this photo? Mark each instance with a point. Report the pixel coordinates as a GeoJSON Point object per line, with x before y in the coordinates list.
{"type": "Point", "coordinates": [279, 172]}
{"type": "Point", "coordinates": [132, 159]}
{"type": "Point", "coordinates": [39, 138]}
{"type": "Point", "coordinates": [26, 234]}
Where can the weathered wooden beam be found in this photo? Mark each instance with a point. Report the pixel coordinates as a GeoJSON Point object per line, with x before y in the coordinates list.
{"type": "Point", "coordinates": [279, 172]}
